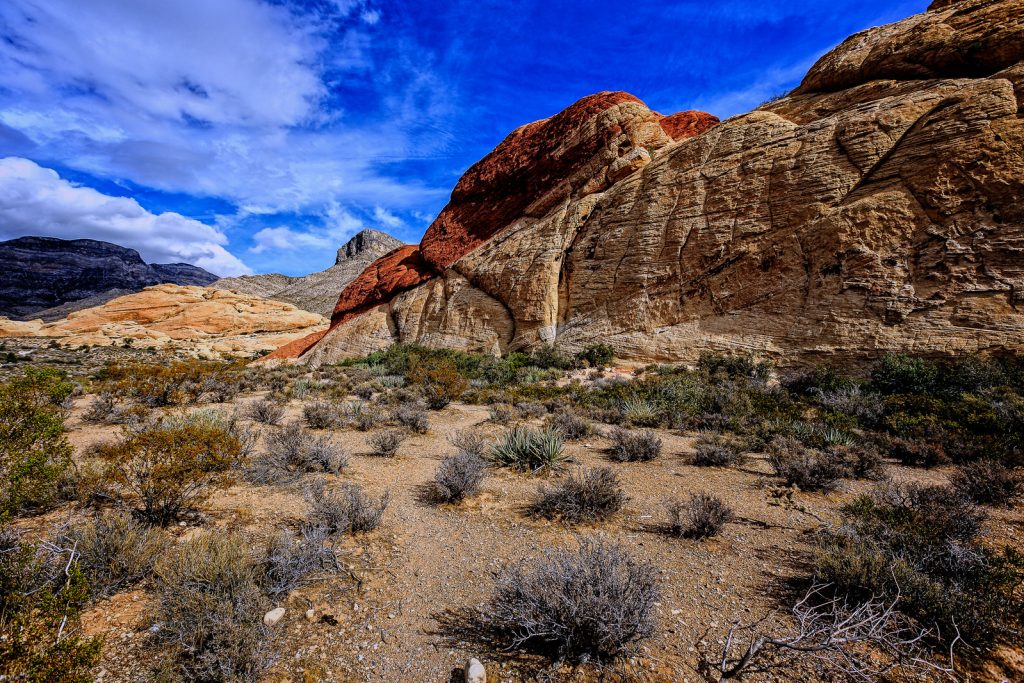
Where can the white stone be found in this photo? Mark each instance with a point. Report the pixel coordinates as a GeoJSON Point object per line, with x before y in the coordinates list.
{"type": "Point", "coordinates": [475, 671]}
{"type": "Point", "coordinates": [273, 616]}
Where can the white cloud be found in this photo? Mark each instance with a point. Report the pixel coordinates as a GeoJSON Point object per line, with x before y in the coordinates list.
{"type": "Point", "coordinates": [387, 219]}
{"type": "Point", "coordinates": [230, 99]}
{"type": "Point", "coordinates": [37, 201]}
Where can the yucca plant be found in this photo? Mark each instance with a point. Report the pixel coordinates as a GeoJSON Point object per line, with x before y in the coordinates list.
{"type": "Point", "coordinates": [640, 413]}
{"type": "Point", "coordinates": [527, 448]}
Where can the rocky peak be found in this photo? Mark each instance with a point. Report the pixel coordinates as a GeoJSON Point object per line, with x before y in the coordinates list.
{"type": "Point", "coordinates": [367, 243]}
{"type": "Point", "coordinates": [41, 273]}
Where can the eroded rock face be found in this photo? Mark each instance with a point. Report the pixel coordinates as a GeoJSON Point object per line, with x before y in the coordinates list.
{"type": "Point", "coordinates": [880, 206]}
{"type": "Point", "coordinates": [196, 319]}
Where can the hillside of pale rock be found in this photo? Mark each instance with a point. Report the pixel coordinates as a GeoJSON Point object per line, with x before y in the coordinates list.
{"type": "Point", "coordinates": [194, 319]}
{"type": "Point", "coordinates": [317, 292]}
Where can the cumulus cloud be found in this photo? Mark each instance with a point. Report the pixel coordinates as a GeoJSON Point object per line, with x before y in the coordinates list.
{"type": "Point", "coordinates": [37, 201]}
{"type": "Point", "coordinates": [235, 99]}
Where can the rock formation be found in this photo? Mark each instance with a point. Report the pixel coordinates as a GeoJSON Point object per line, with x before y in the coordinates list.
{"type": "Point", "coordinates": [317, 292]}
{"type": "Point", "coordinates": [194, 319]}
{"type": "Point", "coordinates": [879, 206]}
{"type": "Point", "coordinates": [42, 273]}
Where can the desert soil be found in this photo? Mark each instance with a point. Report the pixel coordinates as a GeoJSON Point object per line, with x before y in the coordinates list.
{"type": "Point", "coordinates": [383, 619]}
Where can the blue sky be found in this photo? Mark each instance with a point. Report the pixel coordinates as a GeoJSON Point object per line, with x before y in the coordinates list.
{"type": "Point", "coordinates": [257, 136]}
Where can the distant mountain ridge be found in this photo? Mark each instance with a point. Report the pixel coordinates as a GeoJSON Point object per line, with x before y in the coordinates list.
{"type": "Point", "coordinates": [44, 273]}
{"type": "Point", "coordinates": [317, 292]}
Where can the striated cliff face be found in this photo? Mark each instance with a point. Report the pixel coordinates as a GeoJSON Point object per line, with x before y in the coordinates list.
{"type": "Point", "coordinates": [42, 273]}
{"type": "Point", "coordinates": [879, 206]}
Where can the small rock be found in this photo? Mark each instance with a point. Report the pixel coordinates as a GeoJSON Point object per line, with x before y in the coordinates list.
{"type": "Point", "coordinates": [273, 616]}
{"type": "Point", "coordinates": [475, 671]}
{"type": "Point", "coordinates": [310, 615]}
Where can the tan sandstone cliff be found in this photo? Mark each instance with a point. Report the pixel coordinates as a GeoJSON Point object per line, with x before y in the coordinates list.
{"type": "Point", "coordinates": [879, 206]}
{"type": "Point", "coordinates": [193, 319]}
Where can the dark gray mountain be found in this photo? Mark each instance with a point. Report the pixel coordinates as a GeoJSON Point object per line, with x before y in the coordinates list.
{"type": "Point", "coordinates": [40, 273]}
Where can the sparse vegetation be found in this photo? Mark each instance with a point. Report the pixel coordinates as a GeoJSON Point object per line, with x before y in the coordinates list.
{"type": "Point", "coordinates": [289, 562]}
{"type": "Point", "coordinates": [345, 509]}
{"type": "Point", "coordinates": [805, 468]}
{"type": "Point", "coordinates": [267, 410]}
{"type": "Point", "coordinates": [385, 443]}
{"type": "Point", "coordinates": [587, 495]}
{"type": "Point", "coordinates": [988, 482]}
{"type": "Point", "coordinates": [413, 416]}
{"type": "Point", "coordinates": [459, 476]}
{"type": "Point", "coordinates": [921, 544]}
{"type": "Point", "coordinates": [715, 450]}
{"type": "Point", "coordinates": [171, 467]}
{"type": "Point", "coordinates": [631, 446]}
{"type": "Point", "coordinates": [529, 449]}
{"type": "Point", "coordinates": [34, 454]}
{"type": "Point", "coordinates": [469, 441]}
{"type": "Point", "coordinates": [702, 516]}
{"type": "Point", "coordinates": [115, 550]}
{"type": "Point", "coordinates": [570, 425]}
{"type": "Point", "coordinates": [321, 414]}
{"type": "Point", "coordinates": [210, 608]}
{"type": "Point", "coordinates": [292, 451]}
{"type": "Point", "coordinates": [592, 603]}
{"type": "Point", "coordinates": [42, 592]}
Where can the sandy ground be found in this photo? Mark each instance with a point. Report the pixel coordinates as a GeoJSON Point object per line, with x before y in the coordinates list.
{"type": "Point", "coordinates": [380, 620]}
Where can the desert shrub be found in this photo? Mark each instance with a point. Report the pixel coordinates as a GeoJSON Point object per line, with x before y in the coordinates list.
{"type": "Point", "coordinates": [268, 410]}
{"type": "Point", "coordinates": [289, 562]}
{"type": "Point", "coordinates": [471, 441]}
{"type": "Point", "coordinates": [701, 516]}
{"type": "Point", "coordinates": [502, 413]}
{"type": "Point", "coordinates": [361, 415]}
{"type": "Point", "coordinates": [321, 414]}
{"type": "Point", "coordinates": [900, 374]}
{"type": "Point", "coordinates": [176, 383]}
{"type": "Point", "coordinates": [585, 496]}
{"type": "Point", "coordinates": [459, 476]}
{"type": "Point", "coordinates": [439, 378]}
{"type": "Point", "coordinates": [385, 443]}
{"type": "Point", "coordinates": [922, 544]}
{"type": "Point", "coordinates": [715, 450]}
{"type": "Point", "coordinates": [861, 460]}
{"type": "Point", "coordinates": [41, 596]}
{"type": "Point", "coordinates": [531, 410]}
{"type": "Point", "coordinates": [630, 446]}
{"type": "Point", "coordinates": [34, 454]}
{"type": "Point", "coordinates": [917, 453]}
{"type": "Point", "coordinates": [413, 416]}
{"type": "Point", "coordinates": [363, 391]}
{"type": "Point", "coordinates": [596, 356]}
{"type": "Point", "coordinates": [733, 367]}
{"type": "Point", "coordinates": [639, 412]}
{"type": "Point", "coordinates": [593, 603]}
{"type": "Point", "coordinates": [101, 409]}
{"type": "Point", "coordinates": [529, 449]}
{"type": "Point", "coordinates": [171, 467]}
{"type": "Point", "coordinates": [345, 509]}
{"type": "Point", "coordinates": [988, 482]}
{"type": "Point", "coordinates": [293, 450]}
{"type": "Point", "coordinates": [210, 608]}
{"type": "Point", "coordinates": [805, 468]}
{"type": "Point", "coordinates": [115, 551]}
{"type": "Point", "coordinates": [571, 425]}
